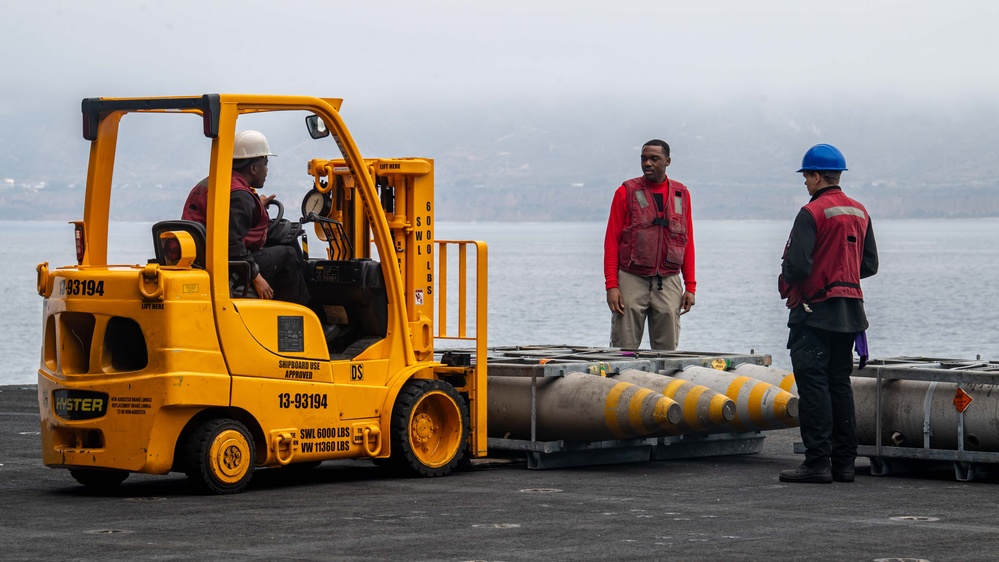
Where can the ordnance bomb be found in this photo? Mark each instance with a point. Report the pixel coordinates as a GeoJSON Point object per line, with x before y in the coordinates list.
{"type": "Point", "coordinates": [759, 405]}
{"type": "Point", "coordinates": [777, 377]}
{"type": "Point", "coordinates": [703, 408]}
{"type": "Point", "coordinates": [578, 407]}
{"type": "Point", "coordinates": [904, 415]}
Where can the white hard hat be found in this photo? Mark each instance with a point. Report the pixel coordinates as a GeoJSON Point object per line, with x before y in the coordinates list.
{"type": "Point", "coordinates": [250, 144]}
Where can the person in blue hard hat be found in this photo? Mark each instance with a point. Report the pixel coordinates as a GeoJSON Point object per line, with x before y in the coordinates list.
{"type": "Point", "coordinates": [830, 249]}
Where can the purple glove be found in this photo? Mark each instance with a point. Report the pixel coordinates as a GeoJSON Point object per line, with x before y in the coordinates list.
{"type": "Point", "coordinates": [860, 345]}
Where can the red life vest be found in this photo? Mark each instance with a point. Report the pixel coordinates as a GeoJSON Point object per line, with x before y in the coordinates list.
{"type": "Point", "coordinates": [196, 209]}
{"type": "Point", "coordinates": [653, 243]}
{"type": "Point", "coordinates": [840, 229]}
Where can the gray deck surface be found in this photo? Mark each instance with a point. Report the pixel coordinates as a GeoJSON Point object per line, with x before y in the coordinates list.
{"type": "Point", "coordinates": [723, 508]}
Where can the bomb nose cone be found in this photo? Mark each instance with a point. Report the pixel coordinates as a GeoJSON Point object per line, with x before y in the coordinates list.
{"type": "Point", "coordinates": [792, 408]}
{"type": "Point", "coordinates": [669, 411]}
{"type": "Point", "coordinates": [728, 410]}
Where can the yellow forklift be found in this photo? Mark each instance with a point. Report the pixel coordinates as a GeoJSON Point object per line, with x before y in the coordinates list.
{"type": "Point", "coordinates": [171, 365]}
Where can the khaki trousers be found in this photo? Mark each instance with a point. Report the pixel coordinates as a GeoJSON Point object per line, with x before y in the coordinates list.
{"type": "Point", "coordinates": [644, 299]}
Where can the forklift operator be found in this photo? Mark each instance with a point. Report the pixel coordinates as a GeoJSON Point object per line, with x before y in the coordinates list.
{"type": "Point", "coordinates": [275, 271]}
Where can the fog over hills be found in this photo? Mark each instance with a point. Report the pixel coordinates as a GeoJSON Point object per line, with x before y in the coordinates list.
{"type": "Point", "coordinates": [556, 160]}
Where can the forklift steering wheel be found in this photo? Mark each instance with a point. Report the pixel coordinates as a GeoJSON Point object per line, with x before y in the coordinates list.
{"type": "Point", "coordinates": [280, 213]}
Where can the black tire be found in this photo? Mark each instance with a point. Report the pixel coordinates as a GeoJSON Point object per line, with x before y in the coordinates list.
{"type": "Point", "coordinates": [429, 428]}
{"type": "Point", "coordinates": [465, 462]}
{"type": "Point", "coordinates": [99, 480]}
{"type": "Point", "coordinates": [219, 456]}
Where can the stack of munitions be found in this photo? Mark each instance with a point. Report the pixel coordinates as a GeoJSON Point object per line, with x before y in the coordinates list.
{"type": "Point", "coordinates": [635, 404]}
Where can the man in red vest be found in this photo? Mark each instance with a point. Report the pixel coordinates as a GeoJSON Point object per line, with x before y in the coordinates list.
{"type": "Point", "coordinates": [275, 271]}
{"type": "Point", "coordinates": [831, 248]}
{"type": "Point", "coordinates": [649, 243]}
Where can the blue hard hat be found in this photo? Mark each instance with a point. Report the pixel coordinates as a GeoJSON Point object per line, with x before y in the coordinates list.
{"type": "Point", "coordinates": [823, 157]}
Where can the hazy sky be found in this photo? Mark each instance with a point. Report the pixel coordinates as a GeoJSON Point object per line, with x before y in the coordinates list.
{"type": "Point", "coordinates": [59, 51]}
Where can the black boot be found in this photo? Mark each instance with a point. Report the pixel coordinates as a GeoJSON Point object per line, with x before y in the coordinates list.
{"type": "Point", "coordinates": [844, 473]}
{"type": "Point", "coordinates": [808, 474]}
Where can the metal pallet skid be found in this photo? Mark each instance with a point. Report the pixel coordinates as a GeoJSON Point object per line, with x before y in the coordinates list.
{"type": "Point", "coordinates": [707, 445]}
{"type": "Point", "coordinates": [562, 454]}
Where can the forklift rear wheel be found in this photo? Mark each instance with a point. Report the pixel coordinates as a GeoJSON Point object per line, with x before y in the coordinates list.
{"type": "Point", "coordinates": [98, 479]}
{"type": "Point", "coordinates": [429, 428]}
{"type": "Point", "coordinates": [220, 456]}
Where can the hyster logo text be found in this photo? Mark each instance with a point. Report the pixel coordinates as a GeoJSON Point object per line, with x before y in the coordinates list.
{"type": "Point", "coordinates": [79, 404]}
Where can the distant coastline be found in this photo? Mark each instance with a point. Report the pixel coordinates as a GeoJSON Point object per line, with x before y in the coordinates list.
{"type": "Point", "coordinates": [533, 162]}
{"type": "Point", "coordinates": [544, 203]}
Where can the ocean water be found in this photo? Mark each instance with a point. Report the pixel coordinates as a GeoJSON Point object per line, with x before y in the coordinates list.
{"type": "Point", "coordinates": [934, 296]}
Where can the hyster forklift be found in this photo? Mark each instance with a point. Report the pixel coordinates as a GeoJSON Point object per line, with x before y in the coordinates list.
{"type": "Point", "coordinates": [174, 365]}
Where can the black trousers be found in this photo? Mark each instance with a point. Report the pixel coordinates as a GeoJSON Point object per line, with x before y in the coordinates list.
{"type": "Point", "coordinates": [823, 363]}
{"type": "Point", "coordinates": [281, 266]}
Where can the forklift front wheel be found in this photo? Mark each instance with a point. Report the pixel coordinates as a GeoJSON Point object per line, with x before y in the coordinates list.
{"type": "Point", "coordinates": [220, 456]}
{"type": "Point", "coordinates": [429, 428]}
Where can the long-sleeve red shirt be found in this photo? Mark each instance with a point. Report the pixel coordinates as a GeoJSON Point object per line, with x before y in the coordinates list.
{"type": "Point", "coordinates": [619, 218]}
